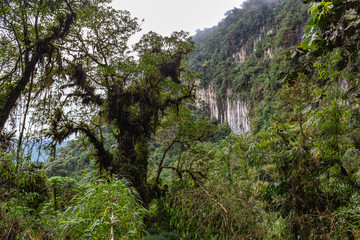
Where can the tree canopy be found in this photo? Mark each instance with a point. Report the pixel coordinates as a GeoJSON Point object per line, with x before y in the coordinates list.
{"type": "Point", "coordinates": [147, 160]}
{"type": "Point", "coordinates": [73, 63]}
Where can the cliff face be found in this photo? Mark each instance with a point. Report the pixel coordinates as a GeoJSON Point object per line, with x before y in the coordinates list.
{"type": "Point", "coordinates": [233, 111]}
{"type": "Point", "coordinates": [241, 58]}
{"type": "Point", "coordinates": [247, 47]}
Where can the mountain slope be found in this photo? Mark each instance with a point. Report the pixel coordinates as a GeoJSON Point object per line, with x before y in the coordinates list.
{"type": "Point", "coordinates": [241, 58]}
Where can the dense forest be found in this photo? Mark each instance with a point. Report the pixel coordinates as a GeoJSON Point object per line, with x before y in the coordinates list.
{"type": "Point", "coordinates": [102, 140]}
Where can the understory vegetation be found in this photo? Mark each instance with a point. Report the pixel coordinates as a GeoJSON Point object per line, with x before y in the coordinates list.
{"type": "Point", "coordinates": [146, 160]}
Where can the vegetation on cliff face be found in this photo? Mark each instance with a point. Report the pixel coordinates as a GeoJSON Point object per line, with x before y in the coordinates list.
{"type": "Point", "coordinates": [246, 52]}
{"type": "Point", "coordinates": [150, 164]}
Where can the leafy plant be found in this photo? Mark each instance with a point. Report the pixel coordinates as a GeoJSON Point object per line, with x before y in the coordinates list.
{"type": "Point", "coordinates": [104, 209]}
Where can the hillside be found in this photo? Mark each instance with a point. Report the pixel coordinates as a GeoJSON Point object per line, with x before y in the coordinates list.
{"type": "Point", "coordinates": [241, 59]}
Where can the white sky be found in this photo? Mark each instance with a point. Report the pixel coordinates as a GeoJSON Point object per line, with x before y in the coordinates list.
{"type": "Point", "coordinates": [166, 16]}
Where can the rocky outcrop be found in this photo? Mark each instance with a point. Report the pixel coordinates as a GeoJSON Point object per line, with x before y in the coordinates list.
{"type": "Point", "coordinates": [234, 111]}
{"type": "Point", "coordinates": [268, 53]}
{"type": "Point", "coordinates": [244, 49]}
{"type": "Point", "coordinates": [240, 56]}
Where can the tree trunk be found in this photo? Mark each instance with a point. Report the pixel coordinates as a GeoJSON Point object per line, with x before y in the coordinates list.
{"type": "Point", "coordinates": [132, 164]}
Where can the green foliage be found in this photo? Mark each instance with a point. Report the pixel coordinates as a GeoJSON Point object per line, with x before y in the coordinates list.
{"type": "Point", "coordinates": [32, 205]}
{"type": "Point", "coordinates": [104, 209]}
{"type": "Point", "coordinates": [300, 177]}
{"type": "Point", "coordinates": [62, 191]}
{"type": "Point", "coordinates": [184, 134]}
{"type": "Point", "coordinates": [219, 207]}
{"type": "Point", "coordinates": [26, 182]}
{"type": "Point", "coordinates": [18, 222]}
{"type": "Point", "coordinates": [245, 53]}
{"type": "Point", "coordinates": [23, 191]}
{"type": "Point", "coordinates": [319, 33]}
{"type": "Point", "coordinates": [314, 130]}
{"type": "Point", "coordinates": [162, 236]}
{"type": "Point", "coordinates": [76, 159]}
{"type": "Point", "coordinates": [228, 204]}
{"type": "Point", "coordinates": [333, 26]}
{"type": "Point", "coordinates": [296, 176]}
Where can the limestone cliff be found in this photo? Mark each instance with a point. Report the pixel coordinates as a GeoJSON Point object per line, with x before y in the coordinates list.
{"type": "Point", "coordinates": [233, 111]}
{"type": "Point", "coordinates": [247, 47]}
{"type": "Point", "coordinates": [240, 61]}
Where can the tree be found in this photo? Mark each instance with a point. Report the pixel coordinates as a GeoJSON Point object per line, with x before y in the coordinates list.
{"type": "Point", "coordinates": [32, 33]}
{"type": "Point", "coordinates": [318, 186]}
{"type": "Point", "coordinates": [75, 55]}
{"type": "Point", "coordinates": [333, 25]}
{"type": "Point", "coordinates": [106, 85]}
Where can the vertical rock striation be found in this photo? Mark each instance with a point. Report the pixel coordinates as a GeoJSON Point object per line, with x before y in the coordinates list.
{"type": "Point", "coordinates": [234, 111]}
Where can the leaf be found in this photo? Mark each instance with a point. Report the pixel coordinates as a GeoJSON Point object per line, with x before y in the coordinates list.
{"type": "Point", "coordinates": [304, 44]}
{"type": "Point", "coordinates": [314, 11]}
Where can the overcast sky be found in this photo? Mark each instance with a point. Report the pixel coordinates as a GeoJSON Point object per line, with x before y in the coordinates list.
{"type": "Point", "coordinates": [166, 16]}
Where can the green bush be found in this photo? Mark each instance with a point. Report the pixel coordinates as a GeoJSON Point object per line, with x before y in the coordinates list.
{"type": "Point", "coordinates": [107, 208]}
{"type": "Point", "coordinates": [22, 193]}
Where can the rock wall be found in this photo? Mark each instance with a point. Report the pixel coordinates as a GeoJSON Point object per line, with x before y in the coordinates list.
{"type": "Point", "coordinates": [241, 54]}
{"type": "Point", "coordinates": [244, 47]}
{"type": "Point", "coordinates": [233, 111]}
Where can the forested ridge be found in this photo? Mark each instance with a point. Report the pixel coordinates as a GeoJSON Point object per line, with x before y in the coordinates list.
{"type": "Point", "coordinates": [147, 161]}
{"type": "Point", "coordinates": [248, 50]}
